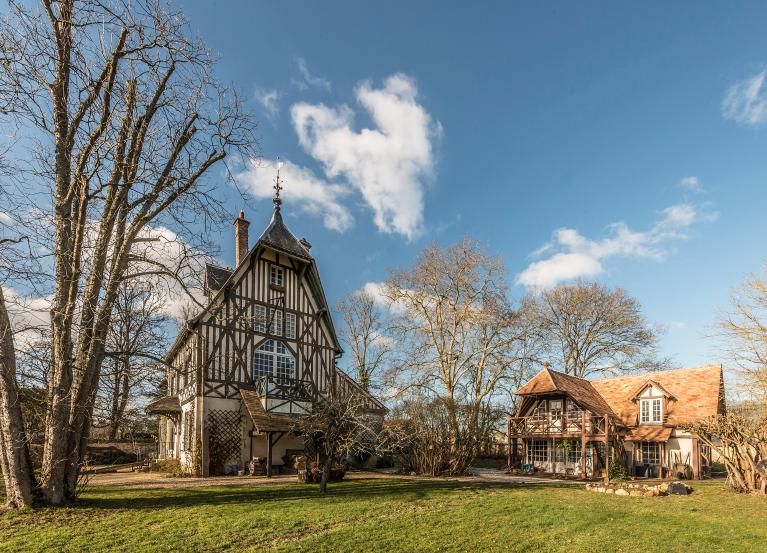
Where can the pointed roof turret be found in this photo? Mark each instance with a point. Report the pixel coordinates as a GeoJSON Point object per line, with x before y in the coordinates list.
{"type": "Point", "coordinates": [277, 234]}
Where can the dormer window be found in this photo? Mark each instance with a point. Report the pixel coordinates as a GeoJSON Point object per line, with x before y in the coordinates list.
{"type": "Point", "coordinates": [650, 411]}
{"type": "Point", "coordinates": [277, 277]}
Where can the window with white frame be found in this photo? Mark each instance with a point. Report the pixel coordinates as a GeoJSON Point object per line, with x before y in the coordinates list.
{"type": "Point", "coordinates": [259, 322]}
{"type": "Point", "coordinates": [650, 411]}
{"type": "Point", "coordinates": [274, 320]}
{"type": "Point", "coordinates": [272, 358]}
{"type": "Point", "coordinates": [275, 327]}
{"type": "Point", "coordinates": [290, 325]}
{"type": "Point", "coordinates": [538, 452]}
{"type": "Point", "coordinates": [574, 452]}
{"type": "Point", "coordinates": [649, 453]}
{"type": "Point", "coordinates": [277, 276]}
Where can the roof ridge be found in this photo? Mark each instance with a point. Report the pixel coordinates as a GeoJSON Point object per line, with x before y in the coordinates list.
{"type": "Point", "coordinates": [648, 374]}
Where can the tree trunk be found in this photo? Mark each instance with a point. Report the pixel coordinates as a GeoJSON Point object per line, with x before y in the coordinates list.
{"type": "Point", "coordinates": [325, 476]}
{"type": "Point", "coordinates": [15, 461]}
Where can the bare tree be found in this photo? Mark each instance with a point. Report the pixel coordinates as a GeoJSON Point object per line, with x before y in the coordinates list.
{"type": "Point", "coordinates": [125, 121]}
{"type": "Point", "coordinates": [745, 331]}
{"type": "Point", "coordinates": [338, 426]}
{"type": "Point", "coordinates": [364, 332]}
{"type": "Point", "coordinates": [741, 443]}
{"type": "Point", "coordinates": [457, 333]}
{"type": "Point", "coordinates": [135, 343]}
{"type": "Point", "coordinates": [593, 329]}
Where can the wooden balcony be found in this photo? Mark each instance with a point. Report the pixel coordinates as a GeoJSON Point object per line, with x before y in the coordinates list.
{"type": "Point", "coordinates": [566, 425]}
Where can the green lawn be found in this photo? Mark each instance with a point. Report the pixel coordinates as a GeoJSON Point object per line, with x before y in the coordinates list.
{"type": "Point", "coordinates": [392, 515]}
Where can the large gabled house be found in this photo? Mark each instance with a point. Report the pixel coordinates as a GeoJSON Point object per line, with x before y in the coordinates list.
{"type": "Point", "coordinates": [573, 426]}
{"type": "Point", "coordinates": [262, 352]}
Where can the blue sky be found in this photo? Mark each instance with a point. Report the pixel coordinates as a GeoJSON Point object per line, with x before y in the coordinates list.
{"type": "Point", "coordinates": [638, 128]}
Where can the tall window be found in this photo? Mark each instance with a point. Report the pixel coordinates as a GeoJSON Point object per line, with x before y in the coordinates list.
{"type": "Point", "coordinates": [277, 276]}
{"type": "Point", "coordinates": [272, 358]}
{"type": "Point", "coordinates": [574, 452]}
{"type": "Point", "coordinates": [290, 325]}
{"type": "Point", "coordinates": [274, 320]}
{"type": "Point", "coordinates": [650, 411]}
{"type": "Point", "coordinates": [538, 452]}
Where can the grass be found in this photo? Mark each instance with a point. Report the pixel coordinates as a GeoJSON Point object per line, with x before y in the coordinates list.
{"type": "Point", "coordinates": [392, 515]}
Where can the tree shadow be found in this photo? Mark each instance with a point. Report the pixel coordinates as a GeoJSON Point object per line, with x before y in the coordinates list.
{"type": "Point", "coordinates": [124, 498]}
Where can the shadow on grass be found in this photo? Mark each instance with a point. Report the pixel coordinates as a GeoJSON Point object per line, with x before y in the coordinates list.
{"type": "Point", "coordinates": [154, 498]}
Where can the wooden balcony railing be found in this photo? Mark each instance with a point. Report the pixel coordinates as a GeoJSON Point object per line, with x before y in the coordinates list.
{"type": "Point", "coordinates": [565, 424]}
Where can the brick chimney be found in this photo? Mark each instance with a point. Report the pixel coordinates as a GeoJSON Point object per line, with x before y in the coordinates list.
{"type": "Point", "coordinates": [240, 238]}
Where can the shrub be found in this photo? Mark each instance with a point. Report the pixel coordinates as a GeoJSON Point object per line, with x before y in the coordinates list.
{"type": "Point", "coordinates": [617, 471]}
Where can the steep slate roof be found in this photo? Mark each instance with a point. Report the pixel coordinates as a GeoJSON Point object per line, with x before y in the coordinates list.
{"type": "Point", "coordinates": [279, 237]}
{"type": "Point", "coordinates": [216, 276]}
{"type": "Point", "coordinates": [168, 404]}
{"type": "Point", "coordinates": [581, 390]}
{"type": "Point", "coordinates": [699, 393]}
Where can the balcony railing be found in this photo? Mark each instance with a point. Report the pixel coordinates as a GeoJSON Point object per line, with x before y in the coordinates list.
{"type": "Point", "coordinates": [278, 391]}
{"type": "Point", "coordinates": [565, 424]}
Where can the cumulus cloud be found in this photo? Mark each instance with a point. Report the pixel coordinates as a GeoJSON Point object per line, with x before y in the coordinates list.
{"type": "Point", "coordinates": [692, 184]}
{"type": "Point", "coordinates": [571, 255]}
{"type": "Point", "coordinates": [269, 100]}
{"type": "Point", "coordinates": [303, 190]}
{"type": "Point", "coordinates": [308, 80]}
{"type": "Point", "coordinates": [389, 164]}
{"type": "Point", "coordinates": [745, 102]}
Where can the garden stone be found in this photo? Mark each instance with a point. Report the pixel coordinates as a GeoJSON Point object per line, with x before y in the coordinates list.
{"type": "Point", "coordinates": [621, 492]}
{"type": "Point", "coordinates": [609, 490]}
{"type": "Point", "coordinates": [636, 493]}
{"type": "Point", "coordinates": [677, 488]}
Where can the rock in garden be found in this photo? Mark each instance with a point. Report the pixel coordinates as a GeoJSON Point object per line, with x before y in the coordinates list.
{"type": "Point", "coordinates": [677, 488]}
{"type": "Point", "coordinates": [621, 492]}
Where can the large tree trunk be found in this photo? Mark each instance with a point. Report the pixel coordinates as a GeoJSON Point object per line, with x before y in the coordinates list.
{"type": "Point", "coordinates": [15, 460]}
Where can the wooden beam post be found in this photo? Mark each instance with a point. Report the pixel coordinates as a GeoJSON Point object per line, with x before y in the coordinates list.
{"type": "Point", "coordinates": [583, 444]}
{"type": "Point", "coordinates": [607, 449]}
{"type": "Point", "coordinates": [268, 454]}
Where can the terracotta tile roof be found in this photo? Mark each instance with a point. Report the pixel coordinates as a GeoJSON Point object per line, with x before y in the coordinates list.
{"type": "Point", "coordinates": [649, 434]}
{"type": "Point", "coordinates": [699, 393]}
{"type": "Point", "coordinates": [581, 390]}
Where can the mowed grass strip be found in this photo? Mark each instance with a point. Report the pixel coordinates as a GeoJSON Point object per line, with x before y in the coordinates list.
{"type": "Point", "coordinates": [392, 515]}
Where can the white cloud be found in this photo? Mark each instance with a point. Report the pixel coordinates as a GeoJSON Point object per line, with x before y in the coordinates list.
{"type": "Point", "coordinates": [269, 99]}
{"type": "Point", "coordinates": [745, 102]}
{"type": "Point", "coordinates": [571, 255]}
{"type": "Point", "coordinates": [388, 164]}
{"type": "Point", "coordinates": [303, 190]}
{"type": "Point", "coordinates": [692, 184]}
{"type": "Point", "coordinates": [29, 315]}
{"type": "Point", "coordinates": [307, 79]}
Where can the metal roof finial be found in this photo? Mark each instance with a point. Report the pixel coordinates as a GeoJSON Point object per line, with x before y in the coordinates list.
{"type": "Point", "coordinates": [277, 187]}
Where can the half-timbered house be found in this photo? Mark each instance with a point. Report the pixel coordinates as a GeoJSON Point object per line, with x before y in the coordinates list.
{"type": "Point", "coordinates": [572, 426]}
{"type": "Point", "coordinates": [262, 352]}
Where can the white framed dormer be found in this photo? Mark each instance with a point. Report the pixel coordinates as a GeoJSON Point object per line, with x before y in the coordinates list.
{"type": "Point", "coordinates": [651, 410]}
{"type": "Point", "coordinates": [652, 400]}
